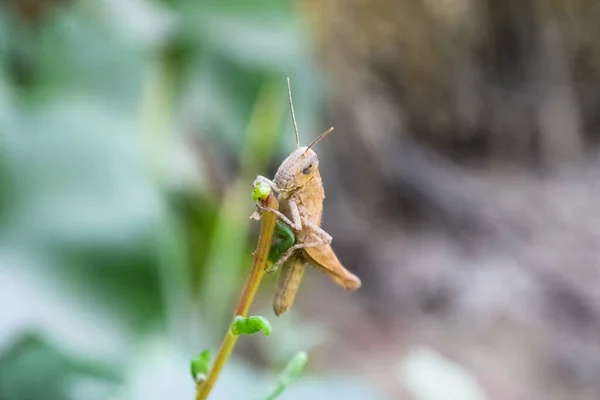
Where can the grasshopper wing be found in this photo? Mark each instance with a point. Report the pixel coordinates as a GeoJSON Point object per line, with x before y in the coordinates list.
{"type": "Point", "coordinates": [288, 283]}
{"type": "Point", "coordinates": [323, 258]}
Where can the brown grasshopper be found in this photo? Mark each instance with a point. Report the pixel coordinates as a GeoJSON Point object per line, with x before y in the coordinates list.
{"type": "Point", "coordinates": [301, 195]}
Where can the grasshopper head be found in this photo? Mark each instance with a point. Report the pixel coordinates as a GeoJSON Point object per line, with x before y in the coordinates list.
{"type": "Point", "coordinates": [296, 170]}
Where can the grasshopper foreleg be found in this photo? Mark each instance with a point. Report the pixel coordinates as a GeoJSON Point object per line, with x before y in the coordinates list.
{"type": "Point", "coordinates": [296, 224]}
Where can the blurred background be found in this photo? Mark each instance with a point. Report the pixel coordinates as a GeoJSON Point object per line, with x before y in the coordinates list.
{"type": "Point", "coordinates": [462, 186]}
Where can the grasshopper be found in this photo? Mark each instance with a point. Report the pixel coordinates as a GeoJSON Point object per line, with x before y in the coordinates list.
{"type": "Point", "coordinates": [300, 195]}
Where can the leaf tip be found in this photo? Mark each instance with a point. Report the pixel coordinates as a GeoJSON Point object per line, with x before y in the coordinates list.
{"type": "Point", "coordinates": [199, 366]}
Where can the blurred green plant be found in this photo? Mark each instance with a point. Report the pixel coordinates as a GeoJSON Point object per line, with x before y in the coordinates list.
{"type": "Point", "coordinates": [289, 374]}
{"type": "Point", "coordinates": [120, 125]}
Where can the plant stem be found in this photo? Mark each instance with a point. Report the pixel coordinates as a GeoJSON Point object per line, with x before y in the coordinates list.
{"type": "Point", "coordinates": [276, 393]}
{"type": "Point", "coordinates": [258, 271]}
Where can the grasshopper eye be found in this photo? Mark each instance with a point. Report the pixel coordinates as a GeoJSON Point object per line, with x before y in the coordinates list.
{"type": "Point", "coordinates": [307, 169]}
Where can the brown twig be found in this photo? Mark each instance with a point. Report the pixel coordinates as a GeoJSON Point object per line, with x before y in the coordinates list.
{"type": "Point", "coordinates": [258, 271]}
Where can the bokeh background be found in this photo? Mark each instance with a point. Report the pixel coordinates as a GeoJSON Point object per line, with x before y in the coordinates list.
{"type": "Point", "coordinates": [462, 187]}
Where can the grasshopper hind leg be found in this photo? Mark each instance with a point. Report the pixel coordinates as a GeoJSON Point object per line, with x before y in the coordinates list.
{"type": "Point", "coordinates": [288, 284]}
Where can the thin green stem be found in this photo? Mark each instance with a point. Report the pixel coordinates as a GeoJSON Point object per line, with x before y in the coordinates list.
{"type": "Point", "coordinates": [280, 389]}
{"type": "Point", "coordinates": [258, 271]}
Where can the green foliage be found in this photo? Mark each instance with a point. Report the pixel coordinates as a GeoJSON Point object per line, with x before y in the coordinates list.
{"type": "Point", "coordinates": [293, 369]}
{"type": "Point", "coordinates": [290, 373]}
{"type": "Point", "coordinates": [250, 325]}
{"type": "Point", "coordinates": [122, 226]}
{"type": "Point", "coordinates": [200, 365]}
{"type": "Point", "coordinates": [34, 368]}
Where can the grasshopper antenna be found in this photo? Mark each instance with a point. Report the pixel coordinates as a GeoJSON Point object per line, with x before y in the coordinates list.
{"type": "Point", "coordinates": [293, 116]}
{"type": "Point", "coordinates": [321, 136]}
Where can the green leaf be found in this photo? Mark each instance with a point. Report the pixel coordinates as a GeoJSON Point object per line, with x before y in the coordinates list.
{"type": "Point", "coordinates": [261, 191]}
{"type": "Point", "coordinates": [293, 369]}
{"type": "Point", "coordinates": [32, 367]}
{"type": "Point", "coordinates": [200, 365]}
{"type": "Point", "coordinates": [250, 325]}
{"type": "Point", "coordinates": [290, 373]}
